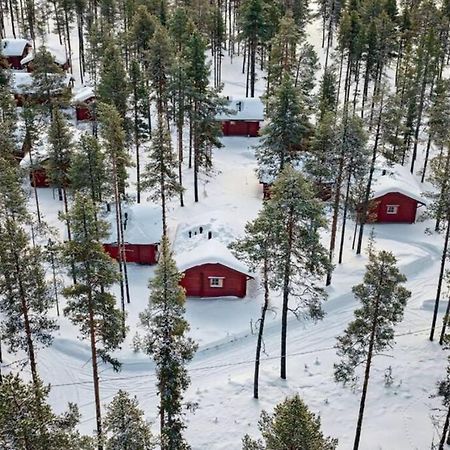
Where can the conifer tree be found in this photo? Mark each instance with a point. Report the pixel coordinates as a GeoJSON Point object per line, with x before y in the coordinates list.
{"type": "Point", "coordinates": [284, 137]}
{"type": "Point", "coordinates": [383, 300]}
{"type": "Point", "coordinates": [169, 347]}
{"type": "Point", "coordinates": [291, 426]}
{"type": "Point", "coordinates": [160, 176]}
{"type": "Point", "coordinates": [205, 105]}
{"type": "Point", "coordinates": [90, 305]}
{"type": "Point", "coordinates": [26, 299]}
{"type": "Point", "coordinates": [28, 422]}
{"type": "Point", "coordinates": [87, 169]}
{"type": "Point", "coordinates": [113, 86]}
{"type": "Point", "coordinates": [125, 425]}
{"type": "Point", "coordinates": [299, 260]}
{"type": "Point", "coordinates": [327, 94]}
{"type": "Point", "coordinates": [255, 249]}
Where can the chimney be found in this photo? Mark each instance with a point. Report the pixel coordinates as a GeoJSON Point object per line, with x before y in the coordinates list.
{"type": "Point", "coordinates": [209, 234]}
{"type": "Point", "coordinates": [200, 230]}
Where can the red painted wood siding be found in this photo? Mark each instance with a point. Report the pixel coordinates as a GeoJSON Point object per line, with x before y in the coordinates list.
{"type": "Point", "coordinates": [136, 253]}
{"type": "Point", "coordinates": [240, 128]}
{"type": "Point", "coordinates": [406, 213]}
{"type": "Point", "coordinates": [83, 113]}
{"type": "Point", "coordinates": [196, 281]}
{"type": "Point", "coordinates": [39, 178]}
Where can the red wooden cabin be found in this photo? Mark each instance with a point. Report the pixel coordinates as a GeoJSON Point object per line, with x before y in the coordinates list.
{"type": "Point", "coordinates": [14, 50]}
{"type": "Point", "coordinates": [83, 100]}
{"type": "Point", "coordinates": [244, 117]}
{"type": "Point", "coordinates": [58, 53]}
{"type": "Point", "coordinates": [142, 234]}
{"type": "Point", "coordinates": [396, 196]}
{"type": "Point", "coordinates": [212, 271]}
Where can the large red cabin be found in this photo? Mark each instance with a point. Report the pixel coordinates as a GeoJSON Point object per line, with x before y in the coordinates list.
{"type": "Point", "coordinates": [142, 234]}
{"type": "Point", "coordinates": [211, 270]}
{"type": "Point", "coordinates": [244, 117]}
{"type": "Point", "coordinates": [396, 196]}
{"type": "Point", "coordinates": [14, 50]}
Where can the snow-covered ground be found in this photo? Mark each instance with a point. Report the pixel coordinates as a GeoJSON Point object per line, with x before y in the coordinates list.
{"type": "Point", "coordinates": [396, 418]}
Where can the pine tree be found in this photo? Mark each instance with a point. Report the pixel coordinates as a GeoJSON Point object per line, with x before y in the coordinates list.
{"type": "Point", "coordinates": [327, 94]}
{"type": "Point", "coordinates": [113, 86]}
{"type": "Point", "coordinates": [87, 169]}
{"type": "Point", "coordinates": [28, 422]}
{"type": "Point", "coordinates": [26, 297]}
{"type": "Point", "coordinates": [125, 425]}
{"type": "Point", "coordinates": [169, 347]}
{"type": "Point", "coordinates": [256, 250]}
{"type": "Point", "coordinates": [299, 260]}
{"type": "Point", "coordinates": [286, 134]}
{"type": "Point", "coordinates": [383, 301]}
{"type": "Point", "coordinates": [205, 105]}
{"type": "Point", "coordinates": [160, 175]}
{"type": "Point", "coordinates": [89, 304]}
{"type": "Point", "coordinates": [291, 426]}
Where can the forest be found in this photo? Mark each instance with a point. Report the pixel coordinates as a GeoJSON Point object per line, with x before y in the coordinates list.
{"type": "Point", "coordinates": [224, 224]}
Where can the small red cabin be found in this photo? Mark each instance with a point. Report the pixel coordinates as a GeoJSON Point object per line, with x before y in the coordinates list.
{"type": "Point", "coordinates": [243, 118]}
{"type": "Point", "coordinates": [83, 101]}
{"type": "Point", "coordinates": [14, 50]}
{"type": "Point", "coordinates": [396, 196]}
{"type": "Point", "coordinates": [58, 53]}
{"type": "Point", "coordinates": [212, 271]}
{"type": "Point", "coordinates": [142, 234]}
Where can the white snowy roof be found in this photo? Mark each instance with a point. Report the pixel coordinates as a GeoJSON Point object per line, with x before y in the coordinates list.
{"type": "Point", "coordinates": [210, 251]}
{"type": "Point", "coordinates": [21, 82]}
{"type": "Point", "coordinates": [83, 94]}
{"type": "Point", "coordinates": [396, 178]}
{"type": "Point", "coordinates": [143, 224]}
{"type": "Point", "coordinates": [57, 51]}
{"type": "Point", "coordinates": [244, 109]}
{"type": "Point", "coordinates": [13, 47]}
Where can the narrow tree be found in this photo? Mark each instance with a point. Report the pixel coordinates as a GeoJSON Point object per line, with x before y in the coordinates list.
{"type": "Point", "coordinates": [90, 306]}
{"type": "Point", "coordinates": [169, 347]}
{"type": "Point", "coordinates": [383, 301]}
{"type": "Point", "coordinates": [299, 260]}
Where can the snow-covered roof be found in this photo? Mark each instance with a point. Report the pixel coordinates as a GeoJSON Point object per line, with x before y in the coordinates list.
{"type": "Point", "coordinates": [57, 51]}
{"type": "Point", "coordinates": [396, 178]}
{"type": "Point", "coordinates": [21, 82]}
{"type": "Point", "coordinates": [143, 224]}
{"type": "Point", "coordinates": [243, 109]}
{"type": "Point", "coordinates": [210, 251]}
{"type": "Point", "coordinates": [85, 93]}
{"type": "Point", "coordinates": [13, 47]}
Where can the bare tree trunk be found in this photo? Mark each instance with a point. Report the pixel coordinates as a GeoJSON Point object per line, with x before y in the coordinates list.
{"type": "Point", "coordinates": [261, 328]}
{"type": "Point", "coordinates": [441, 276]}
{"type": "Point", "coordinates": [344, 216]}
{"type": "Point", "coordinates": [445, 431]}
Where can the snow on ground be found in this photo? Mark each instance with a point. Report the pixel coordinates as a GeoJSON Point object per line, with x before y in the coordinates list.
{"type": "Point", "coordinates": [397, 417]}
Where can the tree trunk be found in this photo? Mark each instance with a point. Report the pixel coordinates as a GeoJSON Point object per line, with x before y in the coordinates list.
{"type": "Point", "coordinates": [196, 157]}
{"type": "Point", "coordinates": [367, 373]}
{"type": "Point", "coordinates": [180, 160]}
{"type": "Point", "coordinates": [286, 282]}
{"type": "Point", "coordinates": [261, 328]}
{"type": "Point", "coordinates": [344, 216]}
{"type": "Point", "coordinates": [365, 206]}
{"type": "Point", "coordinates": [441, 276]}
{"type": "Point", "coordinates": [445, 431]}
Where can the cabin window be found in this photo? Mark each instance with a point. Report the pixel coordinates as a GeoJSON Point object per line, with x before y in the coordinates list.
{"type": "Point", "coordinates": [216, 282]}
{"type": "Point", "coordinates": [392, 209]}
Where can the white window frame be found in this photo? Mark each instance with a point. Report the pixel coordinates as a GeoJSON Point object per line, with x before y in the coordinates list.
{"type": "Point", "coordinates": [212, 281]}
{"type": "Point", "coordinates": [392, 209]}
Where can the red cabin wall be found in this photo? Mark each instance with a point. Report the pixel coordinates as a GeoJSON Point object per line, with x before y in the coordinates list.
{"type": "Point", "coordinates": [40, 178]}
{"type": "Point", "coordinates": [197, 284]}
{"type": "Point", "coordinates": [135, 253]}
{"type": "Point", "coordinates": [14, 62]}
{"type": "Point", "coordinates": [240, 128]}
{"type": "Point", "coordinates": [407, 209]}
{"type": "Point", "coordinates": [83, 113]}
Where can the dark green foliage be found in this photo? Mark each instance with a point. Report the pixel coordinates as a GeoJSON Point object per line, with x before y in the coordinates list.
{"type": "Point", "coordinates": [169, 347]}
{"type": "Point", "coordinates": [87, 172]}
{"type": "Point", "coordinates": [286, 134]}
{"type": "Point", "coordinates": [27, 421]}
{"type": "Point", "coordinates": [95, 273]}
{"type": "Point", "coordinates": [125, 425]}
{"type": "Point", "coordinates": [291, 426]}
